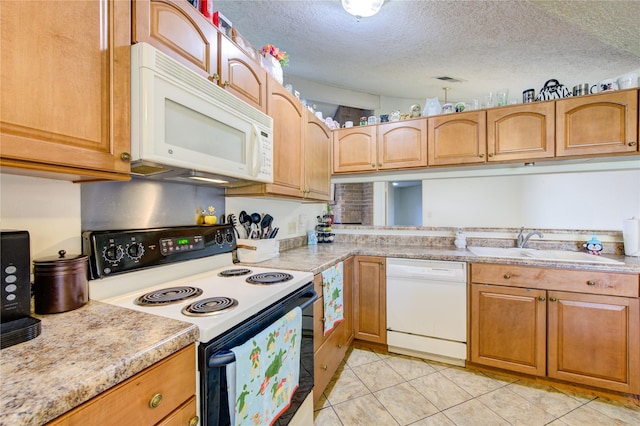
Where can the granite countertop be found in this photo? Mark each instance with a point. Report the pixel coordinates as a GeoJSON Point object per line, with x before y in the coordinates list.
{"type": "Point", "coordinates": [316, 258]}
{"type": "Point", "coordinates": [80, 354]}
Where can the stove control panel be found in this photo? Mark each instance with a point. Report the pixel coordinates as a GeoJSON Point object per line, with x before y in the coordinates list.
{"type": "Point", "coordinates": [114, 252]}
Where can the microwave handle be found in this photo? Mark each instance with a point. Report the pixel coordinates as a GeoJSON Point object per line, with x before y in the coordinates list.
{"type": "Point", "coordinates": [256, 151]}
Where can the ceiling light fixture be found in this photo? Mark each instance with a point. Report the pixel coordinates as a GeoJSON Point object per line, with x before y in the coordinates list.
{"type": "Point", "coordinates": [362, 8]}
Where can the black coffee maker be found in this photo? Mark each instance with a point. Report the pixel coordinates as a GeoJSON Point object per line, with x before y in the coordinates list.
{"type": "Point", "coordinates": [15, 306]}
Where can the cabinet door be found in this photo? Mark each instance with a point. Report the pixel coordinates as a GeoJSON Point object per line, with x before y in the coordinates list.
{"type": "Point", "coordinates": [354, 149]}
{"type": "Point", "coordinates": [370, 299]}
{"type": "Point", "coordinates": [521, 132]}
{"type": "Point", "coordinates": [65, 88]}
{"type": "Point", "coordinates": [402, 144]}
{"type": "Point", "coordinates": [606, 123]}
{"type": "Point", "coordinates": [177, 29]}
{"type": "Point", "coordinates": [241, 75]}
{"type": "Point", "coordinates": [288, 133]}
{"type": "Point", "coordinates": [347, 297]}
{"type": "Point", "coordinates": [317, 159]}
{"type": "Point", "coordinates": [508, 328]}
{"type": "Point", "coordinates": [594, 340]}
{"type": "Point", "coordinates": [459, 138]}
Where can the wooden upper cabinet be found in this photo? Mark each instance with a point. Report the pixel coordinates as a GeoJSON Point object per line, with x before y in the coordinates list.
{"type": "Point", "coordinates": [402, 144]}
{"type": "Point", "coordinates": [65, 81]}
{"type": "Point", "coordinates": [317, 159]}
{"type": "Point", "coordinates": [459, 138]}
{"type": "Point", "coordinates": [179, 30]}
{"type": "Point", "coordinates": [288, 133]}
{"type": "Point", "coordinates": [354, 149]}
{"type": "Point", "coordinates": [242, 74]}
{"type": "Point", "coordinates": [521, 132]}
{"type": "Point", "coordinates": [605, 123]}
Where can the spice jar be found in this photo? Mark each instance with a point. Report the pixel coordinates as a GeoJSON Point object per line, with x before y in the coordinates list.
{"type": "Point", "coordinates": [60, 283]}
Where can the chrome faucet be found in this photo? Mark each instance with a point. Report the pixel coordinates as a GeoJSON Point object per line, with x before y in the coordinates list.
{"type": "Point", "coordinates": [522, 240]}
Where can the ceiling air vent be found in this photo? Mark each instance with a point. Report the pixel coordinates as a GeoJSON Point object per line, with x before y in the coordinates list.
{"type": "Point", "coordinates": [449, 79]}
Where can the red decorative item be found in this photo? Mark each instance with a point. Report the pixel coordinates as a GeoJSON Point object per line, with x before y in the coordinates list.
{"type": "Point", "coordinates": [206, 8]}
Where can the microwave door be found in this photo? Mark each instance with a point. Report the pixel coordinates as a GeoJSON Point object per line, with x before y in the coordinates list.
{"type": "Point", "coordinates": [204, 135]}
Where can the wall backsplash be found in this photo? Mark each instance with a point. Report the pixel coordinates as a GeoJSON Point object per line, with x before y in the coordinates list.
{"type": "Point", "coordinates": [145, 204]}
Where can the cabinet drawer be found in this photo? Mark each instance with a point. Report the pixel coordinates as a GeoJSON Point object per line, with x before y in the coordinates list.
{"type": "Point", "coordinates": [183, 415]}
{"type": "Point", "coordinates": [129, 402]}
{"type": "Point", "coordinates": [327, 359]}
{"type": "Point", "coordinates": [607, 283]}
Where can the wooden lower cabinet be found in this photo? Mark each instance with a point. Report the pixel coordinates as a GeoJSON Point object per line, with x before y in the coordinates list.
{"type": "Point", "coordinates": [508, 328]}
{"type": "Point", "coordinates": [131, 402]}
{"type": "Point", "coordinates": [330, 349]}
{"type": "Point", "coordinates": [370, 299]}
{"type": "Point", "coordinates": [577, 326]}
{"type": "Point", "coordinates": [594, 340]}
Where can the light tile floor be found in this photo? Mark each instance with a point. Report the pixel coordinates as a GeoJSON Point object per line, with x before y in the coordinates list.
{"type": "Point", "coordinates": [373, 388]}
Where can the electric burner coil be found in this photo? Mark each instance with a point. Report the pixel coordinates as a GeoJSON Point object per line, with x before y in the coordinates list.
{"type": "Point", "coordinates": [167, 296]}
{"type": "Point", "coordinates": [210, 306]}
{"type": "Point", "coordinates": [266, 278]}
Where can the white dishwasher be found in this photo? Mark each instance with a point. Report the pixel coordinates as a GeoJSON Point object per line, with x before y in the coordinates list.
{"type": "Point", "coordinates": [427, 309]}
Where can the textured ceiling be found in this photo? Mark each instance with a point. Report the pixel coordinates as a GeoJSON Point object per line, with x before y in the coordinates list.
{"type": "Point", "coordinates": [487, 44]}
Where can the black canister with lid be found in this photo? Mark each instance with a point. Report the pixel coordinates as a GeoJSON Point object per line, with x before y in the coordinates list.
{"type": "Point", "coordinates": [60, 283]}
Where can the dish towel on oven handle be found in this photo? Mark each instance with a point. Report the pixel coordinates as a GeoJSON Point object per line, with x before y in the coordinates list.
{"type": "Point", "coordinates": [332, 286]}
{"type": "Point", "coordinates": [266, 371]}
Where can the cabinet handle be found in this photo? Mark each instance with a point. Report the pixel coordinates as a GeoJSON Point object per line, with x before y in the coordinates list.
{"type": "Point", "coordinates": [323, 319]}
{"type": "Point", "coordinates": [373, 165]}
{"type": "Point", "coordinates": [379, 164]}
{"type": "Point", "coordinates": [226, 83]}
{"type": "Point", "coordinates": [125, 156]}
{"type": "Point", "coordinates": [491, 154]}
{"type": "Point", "coordinates": [155, 400]}
{"type": "Point", "coordinates": [481, 155]}
{"type": "Point", "coordinates": [541, 298]}
{"type": "Point", "coordinates": [214, 77]}
{"type": "Point", "coordinates": [591, 282]}
{"type": "Point", "coordinates": [193, 421]}
{"type": "Point", "coordinates": [507, 276]}
{"type": "Point", "coordinates": [633, 143]}
{"type": "Point", "coordinates": [553, 299]}
{"type": "Point", "coordinates": [339, 345]}
{"type": "Point", "coordinates": [324, 367]}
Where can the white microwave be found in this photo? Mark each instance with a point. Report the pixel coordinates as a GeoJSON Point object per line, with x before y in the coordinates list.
{"type": "Point", "coordinates": [185, 128]}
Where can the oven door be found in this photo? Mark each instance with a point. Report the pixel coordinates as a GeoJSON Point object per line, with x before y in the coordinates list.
{"type": "Point", "coordinates": [214, 356]}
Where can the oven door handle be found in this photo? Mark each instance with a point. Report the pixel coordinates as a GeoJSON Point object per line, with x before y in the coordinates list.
{"type": "Point", "coordinates": [312, 295]}
{"type": "Point", "coordinates": [220, 359]}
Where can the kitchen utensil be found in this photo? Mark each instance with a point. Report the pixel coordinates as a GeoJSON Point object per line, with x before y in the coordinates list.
{"type": "Point", "coordinates": [255, 218]}
{"type": "Point", "coordinates": [231, 218]}
{"type": "Point", "coordinates": [60, 283]}
{"type": "Point", "coordinates": [245, 221]}
{"type": "Point", "coordinates": [265, 224]}
{"type": "Point", "coordinates": [274, 232]}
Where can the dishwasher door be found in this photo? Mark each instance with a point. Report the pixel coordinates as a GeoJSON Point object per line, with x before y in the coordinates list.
{"type": "Point", "coordinates": [427, 306]}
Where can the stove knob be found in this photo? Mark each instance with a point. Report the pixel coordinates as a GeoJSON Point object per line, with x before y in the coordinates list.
{"type": "Point", "coordinates": [219, 240]}
{"type": "Point", "coordinates": [135, 251]}
{"type": "Point", "coordinates": [112, 253]}
{"type": "Point", "coordinates": [229, 237]}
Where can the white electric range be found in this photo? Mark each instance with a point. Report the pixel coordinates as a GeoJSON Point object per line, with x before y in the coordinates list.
{"type": "Point", "coordinates": [188, 273]}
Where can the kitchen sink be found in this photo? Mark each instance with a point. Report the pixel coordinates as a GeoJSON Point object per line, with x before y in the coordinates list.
{"type": "Point", "coordinates": [552, 255]}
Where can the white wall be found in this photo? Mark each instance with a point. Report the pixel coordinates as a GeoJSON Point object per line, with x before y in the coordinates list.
{"type": "Point", "coordinates": [292, 217]}
{"type": "Point", "coordinates": [579, 200]}
{"type": "Point", "coordinates": [48, 209]}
